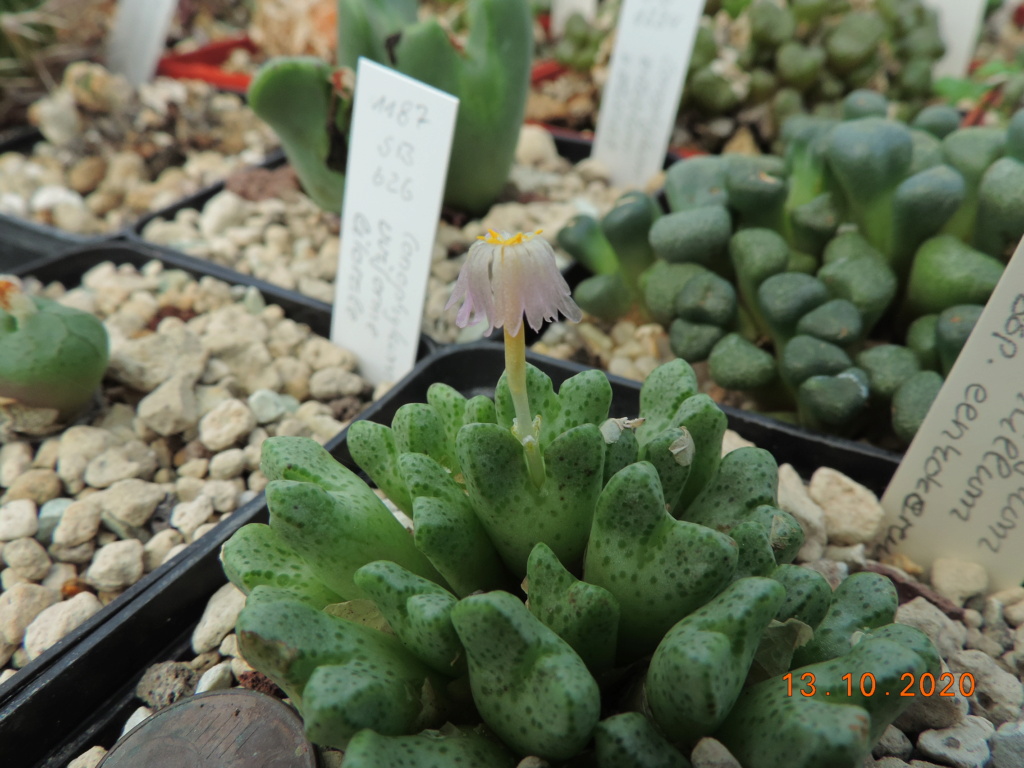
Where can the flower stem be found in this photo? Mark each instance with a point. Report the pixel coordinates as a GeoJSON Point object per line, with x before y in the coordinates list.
{"type": "Point", "coordinates": [523, 427]}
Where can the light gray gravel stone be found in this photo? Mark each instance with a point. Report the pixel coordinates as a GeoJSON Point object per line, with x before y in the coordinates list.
{"type": "Point", "coordinates": [218, 619]}
{"type": "Point", "coordinates": [50, 515]}
{"type": "Point", "coordinates": [998, 695]}
{"type": "Point", "coordinates": [79, 524]}
{"type": "Point", "coordinates": [226, 424]}
{"type": "Point", "coordinates": [964, 745]}
{"type": "Point", "coordinates": [137, 717]}
{"type": "Point", "coordinates": [155, 550]}
{"type": "Point", "coordinates": [189, 515]}
{"type": "Point", "coordinates": [38, 484]}
{"type": "Point", "coordinates": [711, 753]}
{"type": "Point", "coordinates": [19, 606]}
{"type": "Point", "coordinates": [852, 512]}
{"type": "Point", "coordinates": [18, 519]}
{"type": "Point", "coordinates": [217, 678]}
{"type": "Point", "coordinates": [165, 683]}
{"type": "Point", "coordinates": [116, 566]}
{"type": "Point", "coordinates": [132, 501]}
{"type": "Point", "coordinates": [171, 408]}
{"type": "Point", "coordinates": [78, 446]}
{"type": "Point", "coordinates": [934, 712]}
{"type": "Point", "coordinates": [133, 459]}
{"type": "Point", "coordinates": [146, 362]}
{"type": "Point", "coordinates": [948, 636]}
{"type": "Point", "coordinates": [319, 353]}
{"type": "Point", "coordinates": [894, 743]}
{"type": "Point", "coordinates": [58, 575]}
{"type": "Point", "coordinates": [335, 382]}
{"type": "Point", "coordinates": [89, 759]}
{"type": "Point", "coordinates": [958, 579]}
{"type": "Point", "coordinates": [27, 557]}
{"type": "Point", "coordinates": [267, 406]}
{"type": "Point", "coordinates": [1007, 746]}
{"type": "Point", "coordinates": [793, 498]}
{"type": "Point", "coordinates": [15, 459]}
{"type": "Point", "coordinates": [55, 622]}
{"type": "Point", "coordinates": [227, 464]}
{"type": "Point", "coordinates": [79, 553]}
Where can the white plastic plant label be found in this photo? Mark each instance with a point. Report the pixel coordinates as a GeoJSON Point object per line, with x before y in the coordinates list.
{"type": "Point", "coordinates": [959, 491]}
{"type": "Point", "coordinates": [960, 24]}
{"type": "Point", "coordinates": [138, 37]}
{"type": "Point", "coordinates": [653, 44]}
{"type": "Point", "coordinates": [399, 145]}
{"type": "Point", "coordinates": [561, 10]}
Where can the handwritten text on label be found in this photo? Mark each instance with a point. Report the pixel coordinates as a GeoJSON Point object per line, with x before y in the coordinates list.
{"type": "Point", "coordinates": [398, 159]}
{"type": "Point", "coordinates": [959, 491]}
{"type": "Point", "coordinates": [652, 53]}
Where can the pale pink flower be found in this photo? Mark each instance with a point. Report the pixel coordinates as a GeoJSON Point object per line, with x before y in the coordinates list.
{"type": "Point", "coordinates": [506, 276]}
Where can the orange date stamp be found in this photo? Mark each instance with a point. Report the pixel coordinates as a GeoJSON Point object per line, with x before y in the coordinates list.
{"type": "Point", "coordinates": [927, 685]}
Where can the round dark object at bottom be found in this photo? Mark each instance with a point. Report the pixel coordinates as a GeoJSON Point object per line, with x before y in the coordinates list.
{"type": "Point", "coordinates": [220, 729]}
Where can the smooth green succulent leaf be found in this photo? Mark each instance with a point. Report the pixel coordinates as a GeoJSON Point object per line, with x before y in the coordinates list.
{"type": "Point", "coordinates": [672, 453]}
{"type": "Point", "coordinates": [256, 555]}
{"type": "Point", "coordinates": [294, 96]}
{"type": "Point", "coordinates": [375, 450]}
{"type": "Point", "coordinates": [630, 740]}
{"type": "Point", "coordinates": [808, 595]}
{"type": "Point", "coordinates": [528, 684]}
{"type": "Point", "coordinates": [446, 529]}
{"type": "Point", "coordinates": [774, 725]}
{"type": "Point", "coordinates": [337, 533]}
{"type": "Point", "coordinates": [428, 749]}
{"type": "Point", "coordinates": [585, 615]}
{"type": "Point", "coordinates": [698, 669]}
{"type": "Point", "coordinates": [747, 478]}
{"type": "Point", "coordinates": [661, 396]}
{"type": "Point", "coordinates": [658, 568]}
{"type": "Point", "coordinates": [303, 459]}
{"type": "Point", "coordinates": [515, 512]}
{"type": "Point", "coordinates": [862, 602]}
{"type": "Point", "coordinates": [288, 640]}
{"type": "Point", "coordinates": [418, 611]}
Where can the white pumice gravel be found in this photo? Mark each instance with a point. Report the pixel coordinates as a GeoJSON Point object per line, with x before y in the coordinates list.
{"type": "Point", "coordinates": [113, 153]}
{"type": "Point", "coordinates": [201, 374]}
{"type": "Point", "coordinates": [985, 730]}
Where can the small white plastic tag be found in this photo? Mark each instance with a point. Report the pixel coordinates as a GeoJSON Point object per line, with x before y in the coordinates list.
{"type": "Point", "coordinates": [138, 37]}
{"type": "Point", "coordinates": [399, 145]}
{"type": "Point", "coordinates": [653, 44]}
{"type": "Point", "coordinates": [561, 10]}
{"type": "Point", "coordinates": [960, 24]}
{"type": "Point", "coordinates": [959, 491]}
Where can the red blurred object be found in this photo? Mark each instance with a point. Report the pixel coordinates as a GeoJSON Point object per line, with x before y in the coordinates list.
{"type": "Point", "coordinates": [1018, 16]}
{"type": "Point", "coordinates": [205, 64]}
{"type": "Point", "coordinates": [547, 69]}
{"type": "Point", "coordinates": [544, 19]}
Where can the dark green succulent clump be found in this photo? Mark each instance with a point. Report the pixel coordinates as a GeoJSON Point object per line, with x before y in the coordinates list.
{"type": "Point", "coordinates": [817, 281]}
{"type": "Point", "coordinates": [806, 55]}
{"type": "Point", "coordinates": [637, 598]}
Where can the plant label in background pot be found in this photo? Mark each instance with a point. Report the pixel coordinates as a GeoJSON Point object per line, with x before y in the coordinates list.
{"type": "Point", "coordinates": [653, 44]}
{"type": "Point", "coordinates": [138, 38]}
{"type": "Point", "coordinates": [401, 139]}
{"type": "Point", "coordinates": [561, 10]}
{"type": "Point", "coordinates": [960, 24]}
{"type": "Point", "coordinates": [959, 491]}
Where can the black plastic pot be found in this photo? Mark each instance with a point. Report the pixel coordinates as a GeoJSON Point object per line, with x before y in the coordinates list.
{"type": "Point", "coordinates": [69, 270]}
{"type": "Point", "coordinates": [88, 695]}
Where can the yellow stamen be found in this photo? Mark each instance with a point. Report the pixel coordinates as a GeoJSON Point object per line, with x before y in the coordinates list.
{"type": "Point", "coordinates": [494, 238]}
